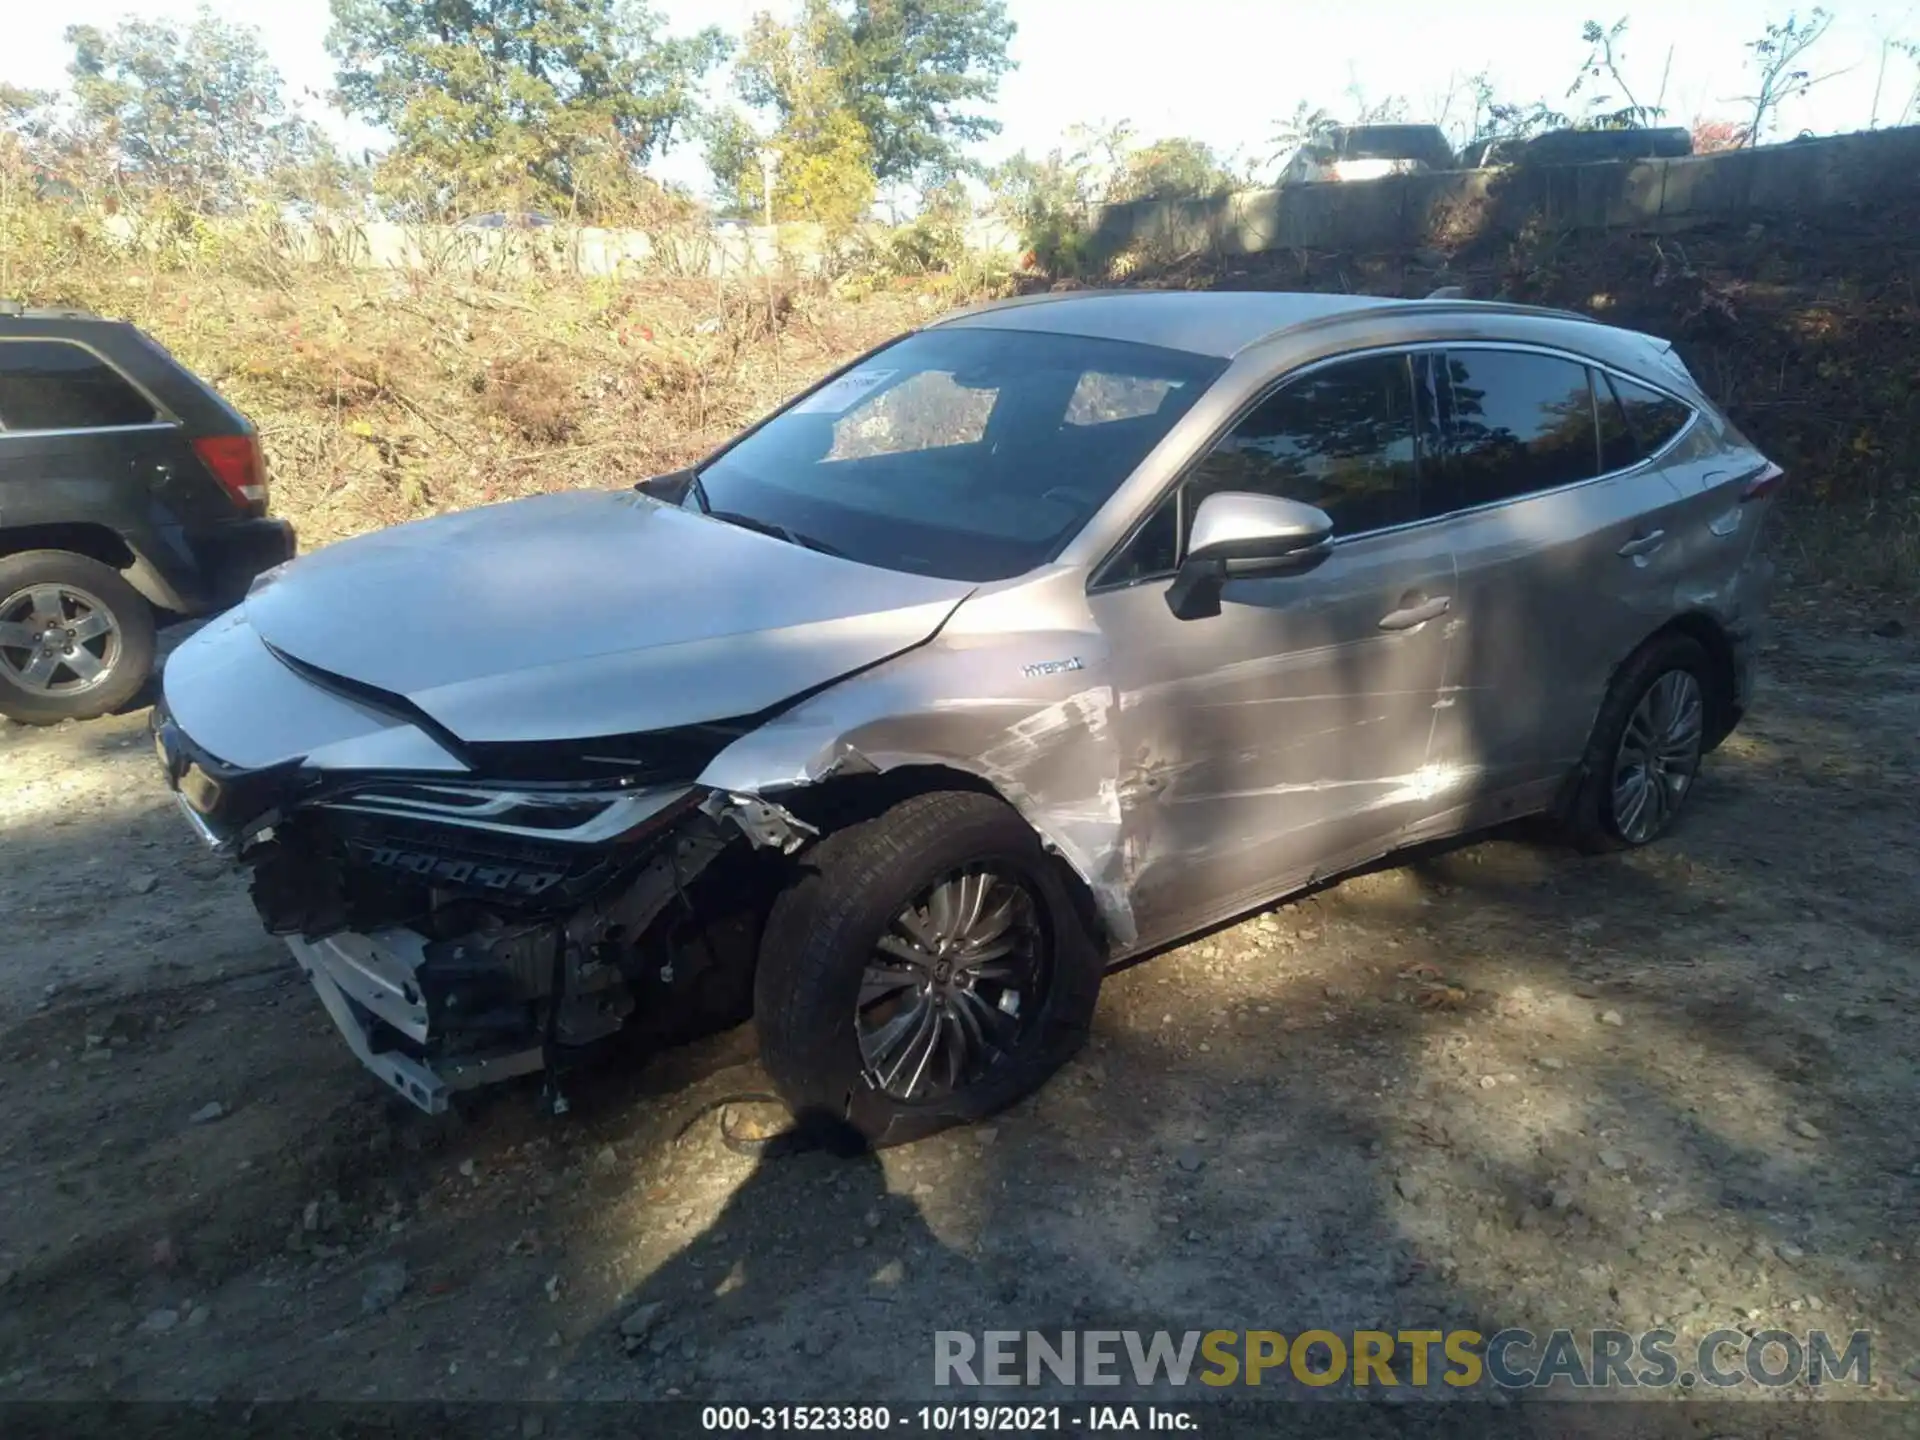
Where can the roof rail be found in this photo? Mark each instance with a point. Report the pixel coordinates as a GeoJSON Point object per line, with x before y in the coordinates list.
{"type": "Point", "coordinates": [1451, 295]}
{"type": "Point", "coordinates": [20, 310]}
{"type": "Point", "coordinates": [1422, 307]}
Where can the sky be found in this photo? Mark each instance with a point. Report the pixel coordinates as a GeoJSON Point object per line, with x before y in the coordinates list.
{"type": "Point", "coordinates": [1222, 71]}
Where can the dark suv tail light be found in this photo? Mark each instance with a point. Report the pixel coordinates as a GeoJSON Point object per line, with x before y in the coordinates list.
{"type": "Point", "coordinates": [236, 462]}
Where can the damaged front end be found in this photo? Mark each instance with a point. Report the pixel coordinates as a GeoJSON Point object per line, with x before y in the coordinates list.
{"type": "Point", "coordinates": [461, 932]}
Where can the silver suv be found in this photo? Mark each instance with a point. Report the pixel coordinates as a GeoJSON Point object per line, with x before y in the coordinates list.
{"type": "Point", "coordinates": [1040, 637]}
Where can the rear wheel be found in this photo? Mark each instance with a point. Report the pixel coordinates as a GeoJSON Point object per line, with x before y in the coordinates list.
{"type": "Point", "coordinates": [927, 968]}
{"type": "Point", "coordinates": [1644, 756]}
{"type": "Point", "coordinates": [76, 641]}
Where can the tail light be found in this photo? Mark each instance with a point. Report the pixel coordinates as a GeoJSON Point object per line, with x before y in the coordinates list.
{"type": "Point", "coordinates": [1764, 482]}
{"type": "Point", "coordinates": [236, 462]}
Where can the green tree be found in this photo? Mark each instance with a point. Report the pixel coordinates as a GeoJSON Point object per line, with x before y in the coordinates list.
{"type": "Point", "coordinates": [794, 73]}
{"type": "Point", "coordinates": [546, 104]}
{"type": "Point", "coordinates": [1052, 199]}
{"type": "Point", "coordinates": [733, 147]}
{"type": "Point", "coordinates": [21, 107]}
{"type": "Point", "coordinates": [1171, 169]}
{"type": "Point", "coordinates": [32, 146]}
{"type": "Point", "coordinates": [200, 113]}
{"type": "Point", "coordinates": [27, 121]}
{"type": "Point", "coordinates": [827, 175]}
{"type": "Point", "coordinates": [913, 72]}
{"type": "Point", "coordinates": [881, 88]}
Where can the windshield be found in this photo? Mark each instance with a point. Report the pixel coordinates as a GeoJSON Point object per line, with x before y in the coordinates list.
{"type": "Point", "coordinates": [968, 454]}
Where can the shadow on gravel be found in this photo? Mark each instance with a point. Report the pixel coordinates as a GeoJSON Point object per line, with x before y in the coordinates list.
{"type": "Point", "coordinates": [1654, 1138]}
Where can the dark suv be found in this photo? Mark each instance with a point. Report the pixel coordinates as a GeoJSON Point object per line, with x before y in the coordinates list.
{"type": "Point", "coordinates": [128, 487]}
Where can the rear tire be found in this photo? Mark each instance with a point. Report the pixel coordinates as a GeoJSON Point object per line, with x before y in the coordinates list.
{"type": "Point", "coordinates": [1644, 755]}
{"type": "Point", "coordinates": [839, 985]}
{"type": "Point", "coordinates": [76, 641]}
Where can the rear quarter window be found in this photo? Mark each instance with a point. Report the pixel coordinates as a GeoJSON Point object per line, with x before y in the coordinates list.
{"type": "Point", "coordinates": [1654, 419]}
{"type": "Point", "coordinates": [57, 385]}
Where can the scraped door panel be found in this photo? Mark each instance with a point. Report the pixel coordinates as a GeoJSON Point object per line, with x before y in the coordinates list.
{"type": "Point", "coordinates": [1282, 740]}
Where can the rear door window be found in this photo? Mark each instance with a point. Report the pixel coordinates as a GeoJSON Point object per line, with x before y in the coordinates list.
{"type": "Point", "coordinates": [1516, 424]}
{"type": "Point", "coordinates": [57, 385]}
{"type": "Point", "coordinates": [1340, 438]}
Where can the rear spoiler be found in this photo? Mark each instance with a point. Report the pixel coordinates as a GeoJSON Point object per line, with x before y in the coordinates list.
{"type": "Point", "coordinates": [1668, 357]}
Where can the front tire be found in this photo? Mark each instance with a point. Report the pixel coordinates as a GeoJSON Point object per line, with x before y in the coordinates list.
{"type": "Point", "coordinates": [1644, 756]}
{"type": "Point", "coordinates": [76, 641]}
{"type": "Point", "coordinates": [927, 968]}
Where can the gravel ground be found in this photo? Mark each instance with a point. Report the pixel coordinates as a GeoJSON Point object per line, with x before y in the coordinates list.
{"type": "Point", "coordinates": [1495, 1084]}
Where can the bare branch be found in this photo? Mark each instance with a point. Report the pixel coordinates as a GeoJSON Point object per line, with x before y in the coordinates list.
{"type": "Point", "coordinates": [1776, 58]}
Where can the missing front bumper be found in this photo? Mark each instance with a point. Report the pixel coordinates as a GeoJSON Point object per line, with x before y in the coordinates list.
{"type": "Point", "coordinates": [518, 991]}
{"type": "Point", "coordinates": [365, 982]}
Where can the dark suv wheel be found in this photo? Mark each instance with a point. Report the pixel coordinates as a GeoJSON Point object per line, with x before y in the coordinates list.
{"type": "Point", "coordinates": [76, 640]}
{"type": "Point", "coordinates": [926, 968]}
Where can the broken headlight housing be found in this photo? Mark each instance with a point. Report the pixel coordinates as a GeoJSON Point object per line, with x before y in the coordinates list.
{"type": "Point", "coordinates": [596, 815]}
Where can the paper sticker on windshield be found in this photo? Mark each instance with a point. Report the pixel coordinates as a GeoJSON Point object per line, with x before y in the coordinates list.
{"type": "Point", "coordinates": [833, 398]}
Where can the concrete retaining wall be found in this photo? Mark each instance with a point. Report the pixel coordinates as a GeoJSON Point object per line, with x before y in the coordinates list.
{"type": "Point", "coordinates": [1410, 211]}
{"type": "Point", "coordinates": [1396, 213]}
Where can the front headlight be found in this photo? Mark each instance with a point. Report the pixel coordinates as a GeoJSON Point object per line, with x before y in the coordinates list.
{"type": "Point", "coordinates": [570, 816]}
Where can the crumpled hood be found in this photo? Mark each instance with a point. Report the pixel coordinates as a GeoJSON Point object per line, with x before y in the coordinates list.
{"type": "Point", "coordinates": [588, 613]}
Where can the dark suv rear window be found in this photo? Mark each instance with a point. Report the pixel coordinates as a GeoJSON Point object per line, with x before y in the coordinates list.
{"type": "Point", "coordinates": [55, 385]}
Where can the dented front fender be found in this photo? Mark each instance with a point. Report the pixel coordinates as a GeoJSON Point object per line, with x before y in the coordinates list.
{"type": "Point", "coordinates": [1016, 691]}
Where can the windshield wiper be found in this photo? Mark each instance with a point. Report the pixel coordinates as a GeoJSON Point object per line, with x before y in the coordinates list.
{"type": "Point", "coordinates": [697, 488]}
{"type": "Point", "coordinates": [769, 527]}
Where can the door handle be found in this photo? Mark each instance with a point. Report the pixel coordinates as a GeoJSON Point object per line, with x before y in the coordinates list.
{"type": "Point", "coordinates": [1642, 545]}
{"type": "Point", "coordinates": [1415, 615]}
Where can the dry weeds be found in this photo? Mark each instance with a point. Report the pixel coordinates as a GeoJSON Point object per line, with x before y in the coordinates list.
{"type": "Point", "coordinates": [382, 396]}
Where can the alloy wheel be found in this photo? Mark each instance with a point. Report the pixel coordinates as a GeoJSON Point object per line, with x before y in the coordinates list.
{"type": "Point", "coordinates": [1658, 756]}
{"type": "Point", "coordinates": [57, 640]}
{"type": "Point", "coordinates": [954, 985]}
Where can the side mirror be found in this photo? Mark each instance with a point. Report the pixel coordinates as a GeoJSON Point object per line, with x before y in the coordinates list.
{"type": "Point", "coordinates": [1237, 533]}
